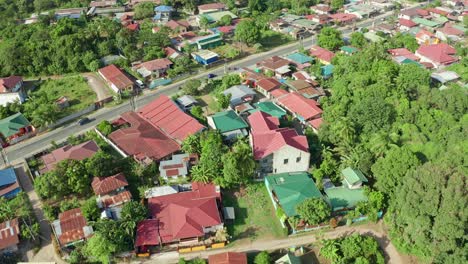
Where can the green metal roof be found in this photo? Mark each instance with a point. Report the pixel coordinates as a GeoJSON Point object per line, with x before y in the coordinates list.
{"type": "Point", "coordinates": [228, 121]}
{"type": "Point", "coordinates": [271, 109]}
{"type": "Point", "coordinates": [292, 188]}
{"type": "Point", "coordinates": [353, 176]}
{"type": "Point", "coordinates": [342, 197]}
{"type": "Point", "coordinates": [12, 124]}
{"type": "Point", "coordinates": [299, 58]}
{"type": "Point", "coordinates": [425, 22]}
{"type": "Point", "coordinates": [349, 49]}
{"type": "Point", "coordinates": [327, 70]}
{"type": "Point", "coordinates": [216, 16]}
{"type": "Point", "coordinates": [289, 258]}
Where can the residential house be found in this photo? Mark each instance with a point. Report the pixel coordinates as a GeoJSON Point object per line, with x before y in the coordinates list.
{"type": "Point", "coordinates": [14, 129]}
{"type": "Point", "coordinates": [133, 26]}
{"type": "Point", "coordinates": [353, 178]}
{"type": "Point", "coordinates": [71, 228]}
{"type": "Point", "coordinates": [305, 89]}
{"type": "Point", "coordinates": [9, 184]}
{"type": "Point", "coordinates": [277, 65]}
{"type": "Point", "coordinates": [373, 37]}
{"type": "Point", "coordinates": [343, 19]}
{"type": "Point", "coordinates": [402, 52]}
{"type": "Point", "coordinates": [304, 109]}
{"type": "Point", "coordinates": [277, 150]}
{"type": "Point", "coordinates": [385, 28]}
{"type": "Point", "coordinates": [239, 94]}
{"type": "Point", "coordinates": [438, 55]}
{"type": "Point", "coordinates": [229, 124]}
{"type": "Point", "coordinates": [187, 102]}
{"type": "Point", "coordinates": [181, 219]}
{"type": "Point", "coordinates": [348, 50]}
{"type": "Point", "coordinates": [323, 55]}
{"type": "Point", "coordinates": [11, 90]}
{"type": "Point", "coordinates": [116, 79]}
{"type": "Point", "coordinates": [436, 12]}
{"type": "Point", "coordinates": [154, 68]}
{"type": "Point", "coordinates": [270, 108]}
{"type": "Point", "coordinates": [266, 85]}
{"type": "Point", "coordinates": [426, 37]}
{"type": "Point", "coordinates": [361, 11]}
{"type": "Point", "coordinates": [409, 14]}
{"type": "Point", "coordinates": [162, 13]}
{"type": "Point", "coordinates": [327, 71]}
{"type": "Point", "coordinates": [300, 60]}
{"type": "Point", "coordinates": [228, 258]}
{"type": "Point", "coordinates": [205, 57]}
{"type": "Point", "coordinates": [174, 168]}
{"type": "Point", "coordinates": [289, 258]}
{"type": "Point", "coordinates": [79, 152]}
{"type": "Point", "coordinates": [318, 19]}
{"type": "Point", "coordinates": [9, 236]}
{"type": "Point", "coordinates": [214, 17]}
{"type": "Point", "coordinates": [133, 3]}
{"type": "Point", "coordinates": [426, 23]}
{"type": "Point", "coordinates": [278, 93]}
{"type": "Point", "coordinates": [73, 13]}
{"type": "Point", "coordinates": [406, 24]}
{"type": "Point", "coordinates": [450, 32]}
{"type": "Point", "coordinates": [303, 75]}
{"type": "Point", "coordinates": [103, 3]}
{"type": "Point", "coordinates": [111, 194]}
{"type": "Point", "coordinates": [444, 77]}
{"type": "Point", "coordinates": [106, 11]}
{"type": "Point", "coordinates": [287, 190]}
{"type": "Point", "coordinates": [211, 7]}
{"type": "Point", "coordinates": [343, 198]}
{"type": "Point", "coordinates": [179, 26]}
{"type": "Point", "coordinates": [321, 9]}
{"type": "Point", "coordinates": [172, 53]}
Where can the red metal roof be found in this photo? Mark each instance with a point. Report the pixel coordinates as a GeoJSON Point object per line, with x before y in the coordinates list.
{"type": "Point", "coordinates": [167, 116]}
{"type": "Point", "coordinates": [157, 64]}
{"type": "Point", "coordinates": [449, 30]}
{"type": "Point", "coordinates": [173, 24]}
{"type": "Point", "coordinates": [274, 63]}
{"type": "Point", "coordinates": [277, 93]}
{"type": "Point", "coordinates": [9, 231]}
{"type": "Point", "coordinates": [8, 83]}
{"type": "Point", "coordinates": [104, 185]}
{"type": "Point", "coordinates": [262, 122]}
{"type": "Point", "coordinates": [268, 84]}
{"type": "Point", "coordinates": [316, 123]}
{"type": "Point", "coordinates": [147, 233]}
{"type": "Point", "coordinates": [142, 139]}
{"type": "Point", "coordinates": [437, 11]}
{"type": "Point", "coordinates": [133, 27]}
{"type": "Point", "coordinates": [71, 225]}
{"type": "Point", "coordinates": [117, 199]}
{"type": "Point", "coordinates": [438, 53]}
{"type": "Point", "coordinates": [321, 53]}
{"type": "Point", "coordinates": [212, 6]}
{"type": "Point", "coordinates": [342, 17]}
{"type": "Point", "coordinates": [116, 76]}
{"type": "Point", "coordinates": [406, 23]}
{"type": "Point", "coordinates": [305, 108]}
{"type": "Point", "coordinates": [78, 152]}
{"type": "Point", "coordinates": [228, 258]}
{"type": "Point", "coordinates": [403, 52]}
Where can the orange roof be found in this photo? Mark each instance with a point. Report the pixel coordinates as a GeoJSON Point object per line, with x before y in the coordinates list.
{"type": "Point", "coordinates": [104, 185]}
{"type": "Point", "coordinates": [228, 258]}
{"type": "Point", "coordinates": [116, 76]}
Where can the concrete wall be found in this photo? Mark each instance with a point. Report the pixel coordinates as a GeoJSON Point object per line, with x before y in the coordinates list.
{"type": "Point", "coordinates": [290, 153]}
{"type": "Point", "coordinates": [108, 141]}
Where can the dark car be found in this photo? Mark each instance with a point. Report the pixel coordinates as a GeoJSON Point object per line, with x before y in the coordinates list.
{"type": "Point", "coordinates": [83, 121]}
{"type": "Point", "coordinates": [211, 75]}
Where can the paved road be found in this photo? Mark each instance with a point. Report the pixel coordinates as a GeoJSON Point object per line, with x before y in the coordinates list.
{"type": "Point", "coordinates": [375, 230]}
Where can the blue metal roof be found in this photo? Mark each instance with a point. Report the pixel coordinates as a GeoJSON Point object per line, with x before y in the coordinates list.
{"type": "Point", "coordinates": [157, 17]}
{"type": "Point", "coordinates": [7, 176]}
{"type": "Point", "coordinates": [163, 8]}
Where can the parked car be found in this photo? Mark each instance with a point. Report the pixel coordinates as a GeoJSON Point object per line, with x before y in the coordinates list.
{"type": "Point", "coordinates": [140, 84]}
{"type": "Point", "coordinates": [83, 121]}
{"type": "Point", "coordinates": [211, 75]}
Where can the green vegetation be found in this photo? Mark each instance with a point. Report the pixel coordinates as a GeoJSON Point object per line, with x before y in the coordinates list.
{"type": "Point", "coordinates": [247, 32]}
{"type": "Point", "coordinates": [352, 249]}
{"type": "Point", "coordinates": [144, 10]}
{"type": "Point", "coordinates": [255, 216]}
{"type": "Point", "coordinates": [314, 210]}
{"type": "Point", "coordinates": [262, 258]}
{"type": "Point", "coordinates": [270, 39]}
{"type": "Point", "coordinates": [330, 38]}
{"type": "Point", "coordinates": [20, 207]}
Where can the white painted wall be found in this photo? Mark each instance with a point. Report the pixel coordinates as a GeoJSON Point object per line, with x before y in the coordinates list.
{"type": "Point", "coordinates": [6, 98]}
{"type": "Point", "coordinates": [290, 153]}
{"type": "Point", "coordinates": [213, 228]}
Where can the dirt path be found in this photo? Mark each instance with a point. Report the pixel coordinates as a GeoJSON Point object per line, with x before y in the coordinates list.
{"type": "Point", "coordinates": [98, 85]}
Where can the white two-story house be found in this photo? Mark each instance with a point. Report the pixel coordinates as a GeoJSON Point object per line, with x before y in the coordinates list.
{"type": "Point", "coordinates": [11, 90]}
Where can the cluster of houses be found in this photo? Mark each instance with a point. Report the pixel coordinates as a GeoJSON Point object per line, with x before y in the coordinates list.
{"type": "Point", "coordinates": [10, 229]}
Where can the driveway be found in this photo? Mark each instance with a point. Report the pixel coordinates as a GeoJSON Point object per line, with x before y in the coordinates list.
{"type": "Point", "coordinates": [98, 85]}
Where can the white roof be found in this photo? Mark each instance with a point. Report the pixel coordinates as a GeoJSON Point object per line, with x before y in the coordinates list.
{"type": "Point", "coordinates": [283, 69]}
{"type": "Point", "coordinates": [205, 54]}
{"type": "Point", "coordinates": [160, 191]}
{"type": "Point", "coordinates": [186, 100]}
{"type": "Point", "coordinates": [445, 76]}
{"type": "Point", "coordinates": [239, 91]}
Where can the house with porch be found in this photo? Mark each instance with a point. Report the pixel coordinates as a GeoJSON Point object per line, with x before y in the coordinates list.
{"type": "Point", "coordinates": [323, 55]}
{"type": "Point", "coordinates": [9, 184]}
{"type": "Point", "coordinates": [78, 152]}
{"type": "Point", "coordinates": [230, 124]}
{"type": "Point", "coordinates": [266, 85]}
{"type": "Point", "coordinates": [239, 94]}
{"type": "Point", "coordinates": [71, 228]}
{"type": "Point", "coordinates": [277, 65]}
{"type": "Point", "coordinates": [154, 68]}
{"type": "Point", "coordinates": [117, 80]}
{"type": "Point", "coordinates": [14, 129]}
{"type": "Point", "coordinates": [277, 150]}
{"type": "Point", "coordinates": [11, 90]}
{"type": "Point", "coordinates": [111, 194]}
{"type": "Point", "coordinates": [438, 55]}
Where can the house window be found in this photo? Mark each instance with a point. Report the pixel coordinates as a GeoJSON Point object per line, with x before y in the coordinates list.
{"type": "Point", "coordinates": [298, 159]}
{"type": "Point", "coordinates": [285, 161]}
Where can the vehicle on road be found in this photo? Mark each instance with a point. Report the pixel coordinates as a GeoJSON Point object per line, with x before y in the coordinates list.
{"type": "Point", "coordinates": [83, 121]}
{"type": "Point", "coordinates": [211, 75]}
{"type": "Point", "coordinates": [140, 84]}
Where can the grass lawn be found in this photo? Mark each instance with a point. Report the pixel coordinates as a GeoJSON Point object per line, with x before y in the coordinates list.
{"type": "Point", "coordinates": [75, 88]}
{"type": "Point", "coordinates": [271, 39]}
{"type": "Point", "coordinates": [255, 215]}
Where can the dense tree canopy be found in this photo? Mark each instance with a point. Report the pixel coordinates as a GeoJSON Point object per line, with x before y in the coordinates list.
{"type": "Point", "coordinates": [330, 38]}
{"type": "Point", "coordinates": [314, 210]}
{"type": "Point", "coordinates": [247, 32]}
{"type": "Point", "coordinates": [352, 249]}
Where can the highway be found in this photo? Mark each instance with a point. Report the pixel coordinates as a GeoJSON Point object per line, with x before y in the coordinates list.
{"type": "Point", "coordinates": [41, 142]}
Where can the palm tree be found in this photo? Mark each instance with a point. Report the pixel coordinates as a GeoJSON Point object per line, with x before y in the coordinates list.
{"type": "Point", "coordinates": [200, 174]}
{"type": "Point", "coordinates": [330, 250]}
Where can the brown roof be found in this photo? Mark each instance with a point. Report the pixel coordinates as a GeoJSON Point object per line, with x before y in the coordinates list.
{"type": "Point", "coordinates": [116, 76]}
{"type": "Point", "coordinates": [157, 64]}
{"type": "Point", "coordinates": [113, 200]}
{"type": "Point", "coordinates": [78, 152]}
{"type": "Point", "coordinates": [9, 231]}
{"type": "Point", "coordinates": [104, 185]}
{"type": "Point", "coordinates": [274, 63]}
{"type": "Point", "coordinates": [228, 258]}
{"type": "Point", "coordinates": [268, 84]}
{"type": "Point", "coordinates": [173, 24]}
{"type": "Point", "coordinates": [299, 84]}
{"type": "Point", "coordinates": [8, 83]}
{"type": "Point", "coordinates": [212, 6]}
{"type": "Point", "coordinates": [72, 223]}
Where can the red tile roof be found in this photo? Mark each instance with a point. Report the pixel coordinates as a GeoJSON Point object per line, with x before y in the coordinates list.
{"type": "Point", "coordinates": [117, 199]}
{"type": "Point", "coordinates": [116, 76]}
{"type": "Point", "coordinates": [279, 93]}
{"type": "Point", "coordinates": [78, 152]}
{"type": "Point", "coordinates": [439, 53]}
{"type": "Point", "coordinates": [72, 223]}
{"type": "Point", "coordinates": [407, 23]}
{"type": "Point", "coordinates": [301, 106]}
{"type": "Point", "coordinates": [8, 83]}
{"type": "Point", "coordinates": [9, 231]}
{"type": "Point", "coordinates": [268, 138]}
{"type": "Point", "coordinates": [226, 29]}
{"type": "Point", "coordinates": [155, 65]}
{"type": "Point", "coordinates": [173, 24]}
{"type": "Point", "coordinates": [142, 139]}
{"type": "Point", "coordinates": [316, 123]}
{"type": "Point", "coordinates": [321, 53]}
{"type": "Point", "coordinates": [268, 84]}
{"type": "Point", "coordinates": [212, 6]}
{"type": "Point", "coordinates": [228, 258]}
{"type": "Point", "coordinates": [422, 12]}
{"type": "Point", "coordinates": [104, 185]}
{"type": "Point", "coordinates": [424, 33]}
{"type": "Point", "coordinates": [167, 116]}
{"type": "Point", "coordinates": [342, 17]}
{"type": "Point", "coordinates": [449, 30]}
{"type": "Point", "coordinates": [437, 11]}
{"type": "Point", "coordinates": [404, 52]}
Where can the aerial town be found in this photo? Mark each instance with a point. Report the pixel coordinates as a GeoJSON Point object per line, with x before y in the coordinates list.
{"type": "Point", "coordinates": [233, 132]}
